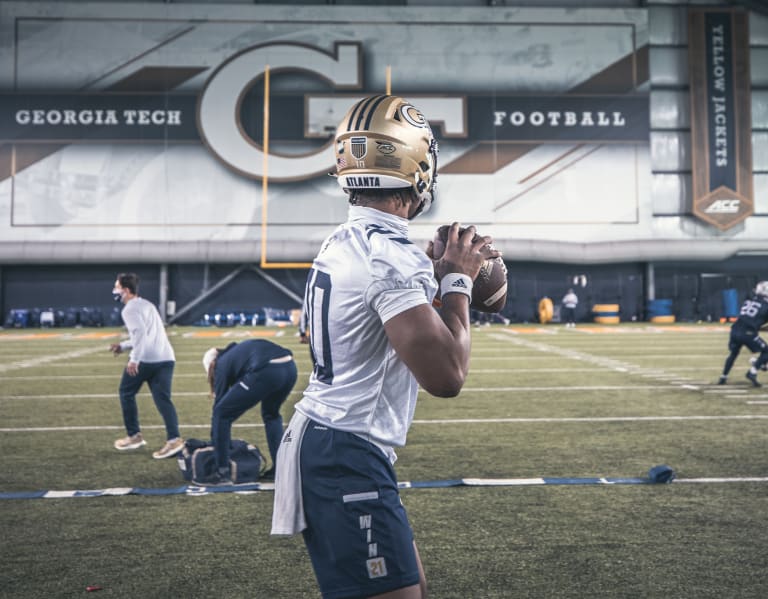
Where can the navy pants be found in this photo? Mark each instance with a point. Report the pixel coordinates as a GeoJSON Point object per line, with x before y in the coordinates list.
{"type": "Point", "coordinates": [270, 385]}
{"type": "Point", "coordinates": [158, 376]}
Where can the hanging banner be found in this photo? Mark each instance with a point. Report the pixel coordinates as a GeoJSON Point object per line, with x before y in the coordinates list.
{"type": "Point", "coordinates": [721, 140]}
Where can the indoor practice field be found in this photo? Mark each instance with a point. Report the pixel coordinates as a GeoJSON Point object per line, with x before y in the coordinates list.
{"type": "Point", "coordinates": [541, 402]}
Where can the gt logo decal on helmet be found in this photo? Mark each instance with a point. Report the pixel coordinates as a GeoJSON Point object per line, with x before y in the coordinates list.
{"type": "Point", "coordinates": [406, 150]}
{"type": "Point", "coordinates": [413, 115]}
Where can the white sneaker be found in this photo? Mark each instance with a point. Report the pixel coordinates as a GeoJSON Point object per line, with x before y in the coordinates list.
{"type": "Point", "coordinates": [171, 448]}
{"type": "Point", "coordinates": [130, 442]}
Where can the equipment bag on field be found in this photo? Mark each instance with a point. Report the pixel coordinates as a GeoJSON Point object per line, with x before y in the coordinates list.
{"type": "Point", "coordinates": [197, 461]}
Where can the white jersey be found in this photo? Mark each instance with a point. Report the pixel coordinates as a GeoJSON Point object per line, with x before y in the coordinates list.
{"type": "Point", "coordinates": [570, 300]}
{"type": "Point", "coordinates": [148, 341]}
{"type": "Point", "coordinates": [366, 272]}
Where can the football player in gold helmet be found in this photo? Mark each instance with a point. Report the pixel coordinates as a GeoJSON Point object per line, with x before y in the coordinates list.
{"type": "Point", "coordinates": [385, 143]}
{"type": "Point", "coordinates": [374, 339]}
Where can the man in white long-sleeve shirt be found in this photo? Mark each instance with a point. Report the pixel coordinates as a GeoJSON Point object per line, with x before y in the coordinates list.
{"type": "Point", "coordinates": [570, 301]}
{"type": "Point", "coordinates": [152, 361]}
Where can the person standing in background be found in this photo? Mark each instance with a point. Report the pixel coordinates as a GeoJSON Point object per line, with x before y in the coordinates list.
{"type": "Point", "coordinates": [151, 360]}
{"type": "Point", "coordinates": [569, 303]}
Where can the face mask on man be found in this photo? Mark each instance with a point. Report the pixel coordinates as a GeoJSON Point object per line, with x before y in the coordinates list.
{"type": "Point", "coordinates": [117, 294]}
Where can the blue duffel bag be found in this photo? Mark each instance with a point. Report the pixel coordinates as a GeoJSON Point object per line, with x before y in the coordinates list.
{"type": "Point", "coordinates": [197, 461]}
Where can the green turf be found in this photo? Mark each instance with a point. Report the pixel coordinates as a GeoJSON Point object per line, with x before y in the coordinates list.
{"type": "Point", "coordinates": [539, 402]}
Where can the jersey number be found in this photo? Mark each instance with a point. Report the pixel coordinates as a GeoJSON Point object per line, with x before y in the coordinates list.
{"type": "Point", "coordinates": [317, 300]}
{"type": "Point", "coordinates": [750, 308]}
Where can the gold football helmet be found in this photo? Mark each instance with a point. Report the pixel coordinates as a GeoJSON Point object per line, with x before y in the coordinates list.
{"type": "Point", "coordinates": [384, 142]}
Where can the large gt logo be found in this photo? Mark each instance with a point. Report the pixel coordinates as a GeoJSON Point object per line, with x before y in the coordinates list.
{"type": "Point", "coordinates": [219, 107]}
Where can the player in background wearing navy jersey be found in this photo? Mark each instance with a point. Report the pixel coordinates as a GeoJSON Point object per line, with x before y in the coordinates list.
{"type": "Point", "coordinates": [746, 332]}
{"type": "Point", "coordinates": [374, 338]}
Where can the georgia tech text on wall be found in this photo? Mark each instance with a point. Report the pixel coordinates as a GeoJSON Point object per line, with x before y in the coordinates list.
{"type": "Point", "coordinates": [98, 117]}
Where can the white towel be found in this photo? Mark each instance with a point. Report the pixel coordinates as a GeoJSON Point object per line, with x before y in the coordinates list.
{"type": "Point", "coordinates": [288, 511]}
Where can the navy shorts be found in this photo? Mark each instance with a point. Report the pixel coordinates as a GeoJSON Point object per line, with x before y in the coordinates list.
{"type": "Point", "coordinates": [358, 536]}
{"type": "Point", "coordinates": [750, 338]}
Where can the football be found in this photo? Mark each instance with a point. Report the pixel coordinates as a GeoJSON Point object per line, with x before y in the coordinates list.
{"type": "Point", "coordinates": [489, 291]}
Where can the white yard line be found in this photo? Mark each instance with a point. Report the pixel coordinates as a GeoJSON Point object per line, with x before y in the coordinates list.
{"type": "Point", "coordinates": [466, 390]}
{"type": "Point", "coordinates": [60, 377]}
{"type": "Point", "coordinates": [590, 419]}
{"type": "Point", "coordinates": [54, 429]}
{"type": "Point", "coordinates": [105, 363]}
{"type": "Point", "coordinates": [578, 355]}
{"type": "Point", "coordinates": [673, 380]}
{"type": "Point", "coordinates": [738, 479]}
{"type": "Point", "coordinates": [107, 395]}
{"type": "Point", "coordinates": [565, 387]}
{"type": "Point", "coordinates": [48, 359]}
{"type": "Point", "coordinates": [201, 376]}
{"type": "Point", "coordinates": [587, 420]}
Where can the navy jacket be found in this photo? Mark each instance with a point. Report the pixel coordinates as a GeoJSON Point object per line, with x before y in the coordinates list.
{"type": "Point", "coordinates": [239, 359]}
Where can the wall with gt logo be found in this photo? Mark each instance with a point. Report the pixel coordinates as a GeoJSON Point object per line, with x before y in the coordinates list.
{"type": "Point", "coordinates": [137, 132]}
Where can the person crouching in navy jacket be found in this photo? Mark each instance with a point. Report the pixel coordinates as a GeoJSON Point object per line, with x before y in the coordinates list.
{"type": "Point", "coordinates": [240, 376]}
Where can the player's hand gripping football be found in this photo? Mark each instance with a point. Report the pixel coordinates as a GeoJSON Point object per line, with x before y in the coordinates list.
{"type": "Point", "coordinates": [463, 251]}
